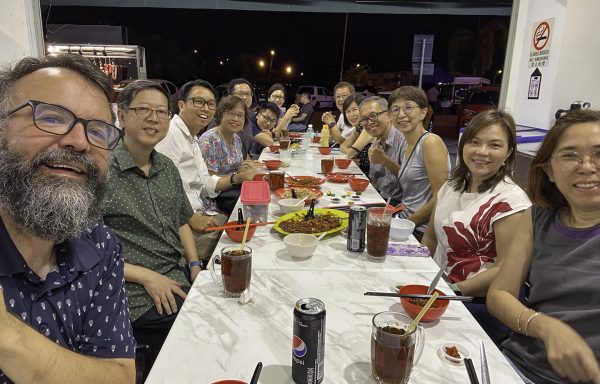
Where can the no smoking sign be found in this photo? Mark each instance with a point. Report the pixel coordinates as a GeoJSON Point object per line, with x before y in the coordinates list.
{"type": "Point", "coordinates": [539, 53]}
{"type": "Point", "coordinates": [541, 36]}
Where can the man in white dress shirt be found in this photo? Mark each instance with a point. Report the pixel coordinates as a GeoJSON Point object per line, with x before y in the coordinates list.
{"type": "Point", "coordinates": [196, 110]}
{"type": "Point", "coordinates": [339, 130]}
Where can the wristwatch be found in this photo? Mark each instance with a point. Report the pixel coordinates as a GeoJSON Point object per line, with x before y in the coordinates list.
{"type": "Point", "coordinates": [195, 263]}
{"type": "Point", "coordinates": [331, 124]}
{"type": "Point", "coordinates": [231, 178]}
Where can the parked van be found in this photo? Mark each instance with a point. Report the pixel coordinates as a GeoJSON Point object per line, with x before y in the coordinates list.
{"type": "Point", "coordinates": [320, 97]}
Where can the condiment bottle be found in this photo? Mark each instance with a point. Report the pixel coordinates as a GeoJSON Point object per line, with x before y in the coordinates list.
{"type": "Point", "coordinates": [325, 136]}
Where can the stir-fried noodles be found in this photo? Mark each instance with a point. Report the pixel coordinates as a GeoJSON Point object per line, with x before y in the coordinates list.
{"type": "Point", "coordinates": [322, 222]}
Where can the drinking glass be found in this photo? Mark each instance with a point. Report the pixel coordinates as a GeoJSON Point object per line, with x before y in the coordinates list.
{"type": "Point", "coordinates": [236, 269]}
{"type": "Point", "coordinates": [378, 232]}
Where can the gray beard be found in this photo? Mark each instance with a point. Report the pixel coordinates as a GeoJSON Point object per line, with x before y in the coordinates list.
{"type": "Point", "coordinates": [47, 206]}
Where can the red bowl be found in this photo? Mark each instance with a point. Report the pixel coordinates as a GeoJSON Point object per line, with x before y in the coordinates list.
{"type": "Point", "coordinates": [274, 148]}
{"type": "Point", "coordinates": [358, 184]}
{"type": "Point", "coordinates": [342, 163]}
{"type": "Point", "coordinates": [316, 139]}
{"type": "Point", "coordinates": [236, 234]}
{"type": "Point", "coordinates": [325, 150]}
{"type": "Point", "coordinates": [272, 164]}
{"type": "Point", "coordinates": [413, 310]}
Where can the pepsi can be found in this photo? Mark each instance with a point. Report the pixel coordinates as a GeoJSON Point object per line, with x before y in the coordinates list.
{"type": "Point", "coordinates": [357, 226]}
{"type": "Point", "coordinates": [308, 344]}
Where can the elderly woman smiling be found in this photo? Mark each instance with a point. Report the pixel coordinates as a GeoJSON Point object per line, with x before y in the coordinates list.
{"type": "Point", "coordinates": [556, 332]}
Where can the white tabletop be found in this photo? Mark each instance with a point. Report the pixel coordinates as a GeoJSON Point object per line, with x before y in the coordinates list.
{"type": "Point", "coordinates": [216, 338]}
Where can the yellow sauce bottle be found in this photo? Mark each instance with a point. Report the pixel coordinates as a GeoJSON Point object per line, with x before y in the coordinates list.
{"type": "Point", "coordinates": [325, 136]}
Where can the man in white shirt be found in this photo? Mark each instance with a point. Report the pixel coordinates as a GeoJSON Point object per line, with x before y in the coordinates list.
{"type": "Point", "coordinates": [196, 110]}
{"type": "Point", "coordinates": [339, 130]}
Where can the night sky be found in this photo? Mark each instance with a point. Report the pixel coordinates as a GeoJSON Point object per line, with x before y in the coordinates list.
{"type": "Point", "coordinates": [310, 42]}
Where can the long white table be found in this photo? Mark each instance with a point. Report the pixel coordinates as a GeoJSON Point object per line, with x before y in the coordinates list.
{"type": "Point", "coordinates": [216, 338]}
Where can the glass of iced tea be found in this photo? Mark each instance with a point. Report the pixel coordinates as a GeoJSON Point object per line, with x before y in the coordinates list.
{"type": "Point", "coordinates": [378, 232]}
{"type": "Point", "coordinates": [326, 165]}
{"type": "Point", "coordinates": [284, 143]}
{"type": "Point", "coordinates": [276, 180]}
{"type": "Point", "coordinates": [236, 269]}
{"type": "Point", "coordinates": [392, 349]}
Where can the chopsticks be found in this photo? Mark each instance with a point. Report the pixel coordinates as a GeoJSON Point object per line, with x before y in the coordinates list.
{"type": "Point", "coordinates": [343, 173]}
{"type": "Point", "coordinates": [346, 207]}
{"type": "Point", "coordinates": [209, 229]}
{"type": "Point", "coordinates": [471, 371]}
{"type": "Point", "coordinates": [418, 296]}
{"type": "Point", "coordinates": [485, 372]}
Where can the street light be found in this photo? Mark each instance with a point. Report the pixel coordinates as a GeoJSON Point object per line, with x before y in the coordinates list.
{"type": "Point", "coordinates": [261, 63]}
{"type": "Point", "coordinates": [498, 72]}
{"type": "Point", "coordinates": [271, 64]}
{"type": "Point", "coordinates": [288, 69]}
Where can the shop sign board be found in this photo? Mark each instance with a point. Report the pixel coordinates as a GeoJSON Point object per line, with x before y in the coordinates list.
{"type": "Point", "coordinates": [541, 40]}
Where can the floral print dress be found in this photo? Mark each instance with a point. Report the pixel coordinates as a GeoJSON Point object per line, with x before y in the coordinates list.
{"type": "Point", "coordinates": [220, 156]}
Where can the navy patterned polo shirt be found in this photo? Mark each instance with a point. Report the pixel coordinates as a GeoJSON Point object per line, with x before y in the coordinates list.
{"type": "Point", "coordinates": [82, 304]}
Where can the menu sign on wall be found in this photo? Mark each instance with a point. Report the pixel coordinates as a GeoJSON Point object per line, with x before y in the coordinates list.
{"type": "Point", "coordinates": [539, 54]}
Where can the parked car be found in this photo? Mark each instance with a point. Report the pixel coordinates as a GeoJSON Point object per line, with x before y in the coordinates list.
{"type": "Point", "coordinates": [320, 97]}
{"type": "Point", "coordinates": [366, 90]}
{"type": "Point", "coordinates": [171, 89]}
{"type": "Point", "coordinates": [477, 99]}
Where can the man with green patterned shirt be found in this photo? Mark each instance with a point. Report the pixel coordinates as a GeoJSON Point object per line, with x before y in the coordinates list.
{"type": "Point", "coordinates": [147, 207]}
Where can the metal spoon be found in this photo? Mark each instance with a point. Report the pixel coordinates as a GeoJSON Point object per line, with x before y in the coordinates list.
{"type": "Point", "coordinates": [437, 277]}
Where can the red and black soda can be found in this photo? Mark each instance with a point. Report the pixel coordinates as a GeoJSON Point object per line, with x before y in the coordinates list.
{"type": "Point", "coordinates": [357, 227]}
{"type": "Point", "coordinates": [308, 344]}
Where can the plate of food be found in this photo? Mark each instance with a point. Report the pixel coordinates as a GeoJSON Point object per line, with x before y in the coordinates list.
{"type": "Point", "coordinates": [304, 181]}
{"type": "Point", "coordinates": [337, 177]}
{"type": "Point", "coordinates": [325, 221]}
{"type": "Point", "coordinates": [301, 193]}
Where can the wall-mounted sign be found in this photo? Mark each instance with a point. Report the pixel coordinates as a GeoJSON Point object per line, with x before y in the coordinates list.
{"type": "Point", "coordinates": [535, 82]}
{"type": "Point", "coordinates": [541, 39]}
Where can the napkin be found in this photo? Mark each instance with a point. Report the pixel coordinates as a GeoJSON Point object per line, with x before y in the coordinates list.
{"type": "Point", "coordinates": [402, 249]}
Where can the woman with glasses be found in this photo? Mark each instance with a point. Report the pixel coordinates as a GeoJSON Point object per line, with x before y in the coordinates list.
{"type": "Point", "coordinates": [276, 95]}
{"type": "Point", "coordinates": [477, 210]}
{"type": "Point", "coordinates": [556, 336]}
{"type": "Point", "coordinates": [222, 148]}
{"type": "Point", "coordinates": [425, 162]}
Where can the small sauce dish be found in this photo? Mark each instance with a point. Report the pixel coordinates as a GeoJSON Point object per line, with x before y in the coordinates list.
{"type": "Point", "coordinates": [462, 351]}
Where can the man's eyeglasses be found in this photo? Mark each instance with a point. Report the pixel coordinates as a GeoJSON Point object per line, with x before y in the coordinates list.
{"type": "Point", "coordinates": [233, 115]}
{"type": "Point", "coordinates": [342, 96]}
{"type": "Point", "coordinates": [407, 108]}
{"type": "Point", "coordinates": [144, 112]}
{"type": "Point", "coordinates": [59, 120]}
{"type": "Point", "coordinates": [200, 103]}
{"type": "Point", "coordinates": [267, 119]}
{"type": "Point", "coordinates": [372, 118]}
{"type": "Point", "coordinates": [243, 95]}
{"type": "Point", "coordinates": [570, 160]}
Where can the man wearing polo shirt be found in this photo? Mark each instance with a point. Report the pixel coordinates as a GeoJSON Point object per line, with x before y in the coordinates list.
{"type": "Point", "coordinates": [63, 308]}
{"type": "Point", "coordinates": [148, 209]}
{"type": "Point", "coordinates": [340, 130]}
{"type": "Point", "coordinates": [385, 154]}
{"type": "Point", "coordinates": [196, 110]}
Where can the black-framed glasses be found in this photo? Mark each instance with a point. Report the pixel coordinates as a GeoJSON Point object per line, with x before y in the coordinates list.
{"type": "Point", "coordinates": [407, 108]}
{"type": "Point", "coordinates": [569, 160]}
{"type": "Point", "coordinates": [372, 118]}
{"type": "Point", "coordinates": [199, 102]}
{"type": "Point", "coordinates": [267, 119]}
{"type": "Point", "coordinates": [144, 112]}
{"type": "Point", "coordinates": [58, 120]}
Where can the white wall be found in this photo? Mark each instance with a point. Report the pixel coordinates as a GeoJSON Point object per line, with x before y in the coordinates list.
{"type": "Point", "coordinates": [21, 31]}
{"type": "Point", "coordinates": [573, 72]}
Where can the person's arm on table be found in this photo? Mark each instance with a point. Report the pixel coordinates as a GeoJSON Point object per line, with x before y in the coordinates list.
{"type": "Point", "coordinates": [504, 234]}
{"type": "Point", "coordinates": [568, 354]}
{"type": "Point", "coordinates": [435, 156]}
{"type": "Point", "coordinates": [346, 146]}
{"type": "Point", "coordinates": [361, 142]}
{"type": "Point", "coordinates": [264, 138]}
{"type": "Point", "coordinates": [429, 237]}
{"type": "Point", "coordinates": [27, 356]}
{"type": "Point", "coordinates": [329, 119]}
{"type": "Point", "coordinates": [189, 249]}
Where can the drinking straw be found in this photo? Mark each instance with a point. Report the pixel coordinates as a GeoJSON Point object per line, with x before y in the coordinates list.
{"type": "Point", "coordinates": [414, 323]}
{"type": "Point", "coordinates": [387, 204]}
{"type": "Point", "coordinates": [245, 234]}
{"type": "Point", "coordinates": [256, 374]}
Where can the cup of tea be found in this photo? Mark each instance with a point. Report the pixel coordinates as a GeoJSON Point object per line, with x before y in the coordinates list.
{"type": "Point", "coordinates": [378, 232]}
{"type": "Point", "coordinates": [284, 143]}
{"type": "Point", "coordinates": [276, 179]}
{"type": "Point", "coordinates": [327, 165]}
{"type": "Point", "coordinates": [285, 155]}
{"type": "Point", "coordinates": [394, 352]}
{"type": "Point", "coordinates": [236, 269]}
